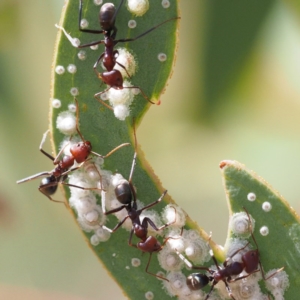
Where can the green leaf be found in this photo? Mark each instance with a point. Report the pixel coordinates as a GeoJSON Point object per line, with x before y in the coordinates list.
{"type": "Point", "coordinates": [99, 125]}
{"type": "Point", "coordinates": [280, 247]}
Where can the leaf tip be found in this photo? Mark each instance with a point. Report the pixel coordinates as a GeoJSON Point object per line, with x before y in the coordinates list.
{"type": "Point", "coordinates": [225, 163]}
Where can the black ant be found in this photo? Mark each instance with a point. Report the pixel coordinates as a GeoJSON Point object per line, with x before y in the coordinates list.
{"type": "Point", "coordinates": [80, 153]}
{"type": "Point", "coordinates": [112, 77]}
{"type": "Point", "coordinates": [249, 264]}
{"type": "Point", "coordinates": [126, 195]}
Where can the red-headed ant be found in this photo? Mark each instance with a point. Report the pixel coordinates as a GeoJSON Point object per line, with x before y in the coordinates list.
{"type": "Point", "coordinates": [112, 77]}
{"type": "Point", "coordinates": [250, 263]}
{"type": "Point", "coordinates": [80, 153]}
{"type": "Point", "coordinates": [126, 195]}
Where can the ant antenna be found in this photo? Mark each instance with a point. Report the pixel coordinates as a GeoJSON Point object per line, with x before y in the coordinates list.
{"type": "Point", "coordinates": [116, 12]}
{"type": "Point", "coordinates": [77, 120]}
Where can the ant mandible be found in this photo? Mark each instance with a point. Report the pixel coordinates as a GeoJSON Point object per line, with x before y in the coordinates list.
{"type": "Point", "coordinates": [126, 195]}
{"type": "Point", "coordinates": [249, 264]}
{"type": "Point", "coordinates": [112, 77]}
{"type": "Point", "coordinates": [80, 153]}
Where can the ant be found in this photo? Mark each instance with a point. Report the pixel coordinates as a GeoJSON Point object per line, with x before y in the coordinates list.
{"type": "Point", "coordinates": [249, 264]}
{"type": "Point", "coordinates": [80, 153]}
{"type": "Point", "coordinates": [126, 195]}
{"type": "Point", "coordinates": [112, 77]}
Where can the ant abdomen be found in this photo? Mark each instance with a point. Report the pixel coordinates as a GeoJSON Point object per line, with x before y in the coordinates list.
{"type": "Point", "coordinates": [106, 15]}
{"type": "Point", "coordinates": [45, 186]}
{"type": "Point", "coordinates": [151, 243]}
{"type": "Point", "coordinates": [197, 281]}
{"type": "Point", "coordinates": [123, 193]}
{"type": "Point", "coordinates": [113, 78]}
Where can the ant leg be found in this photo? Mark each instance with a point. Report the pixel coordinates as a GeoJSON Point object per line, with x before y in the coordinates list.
{"type": "Point", "coordinates": [89, 44]}
{"type": "Point", "coordinates": [112, 151]}
{"type": "Point", "coordinates": [216, 263]}
{"type": "Point", "coordinates": [228, 289]}
{"type": "Point", "coordinates": [99, 75]}
{"type": "Point", "coordinates": [146, 32]}
{"type": "Point", "coordinates": [245, 276]}
{"type": "Point", "coordinates": [56, 201]}
{"type": "Point", "coordinates": [100, 178]}
{"type": "Point", "coordinates": [42, 143]}
{"type": "Point", "coordinates": [153, 203]}
{"type": "Point", "coordinates": [56, 159]}
{"type": "Point", "coordinates": [98, 94]}
{"type": "Point", "coordinates": [151, 223]}
{"type": "Point", "coordinates": [77, 120]}
{"type": "Point", "coordinates": [147, 267]}
{"type": "Point", "coordinates": [119, 224]}
{"type": "Point", "coordinates": [143, 94]}
{"type": "Point", "coordinates": [130, 183]}
{"type": "Point", "coordinates": [44, 186]}
{"type": "Point", "coordinates": [79, 187]}
{"type": "Point", "coordinates": [252, 235]}
{"type": "Point", "coordinates": [79, 22]}
{"type": "Point", "coordinates": [34, 177]}
{"type": "Point", "coordinates": [270, 276]}
{"type": "Point", "coordinates": [189, 264]}
{"type": "Point", "coordinates": [115, 149]}
{"type": "Point", "coordinates": [135, 153]}
{"type": "Point", "coordinates": [211, 289]}
{"type": "Point", "coordinates": [172, 238]}
{"type": "Point", "coordinates": [132, 167]}
{"type": "Point", "coordinates": [73, 41]}
{"type": "Point", "coordinates": [116, 54]}
{"type": "Point", "coordinates": [43, 189]}
{"type": "Point", "coordinates": [96, 64]}
{"type": "Point", "coordinates": [103, 201]}
{"type": "Point", "coordinates": [74, 168]}
{"type": "Point", "coordinates": [123, 68]}
{"type": "Point", "coordinates": [130, 239]}
{"type": "Point", "coordinates": [250, 227]}
{"type": "Point", "coordinates": [232, 255]}
{"type": "Point", "coordinates": [169, 223]}
{"type": "Point", "coordinates": [116, 210]}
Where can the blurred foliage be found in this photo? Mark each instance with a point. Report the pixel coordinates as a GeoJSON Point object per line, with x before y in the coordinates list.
{"type": "Point", "coordinates": [9, 24]}
{"type": "Point", "coordinates": [231, 30]}
{"type": "Point", "coordinates": [256, 122]}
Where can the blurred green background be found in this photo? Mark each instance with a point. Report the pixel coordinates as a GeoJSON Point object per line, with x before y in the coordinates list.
{"type": "Point", "coordinates": [234, 94]}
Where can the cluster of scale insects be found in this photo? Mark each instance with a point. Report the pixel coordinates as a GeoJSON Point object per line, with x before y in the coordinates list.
{"type": "Point", "coordinates": [80, 168]}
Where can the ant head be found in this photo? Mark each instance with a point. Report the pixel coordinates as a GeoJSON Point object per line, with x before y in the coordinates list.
{"type": "Point", "coordinates": [150, 245]}
{"type": "Point", "coordinates": [123, 192]}
{"type": "Point", "coordinates": [51, 189]}
{"type": "Point", "coordinates": [113, 78]}
{"type": "Point", "coordinates": [197, 281]}
{"type": "Point", "coordinates": [81, 151]}
{"type": "Point", "coordinates": [107, 16]}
